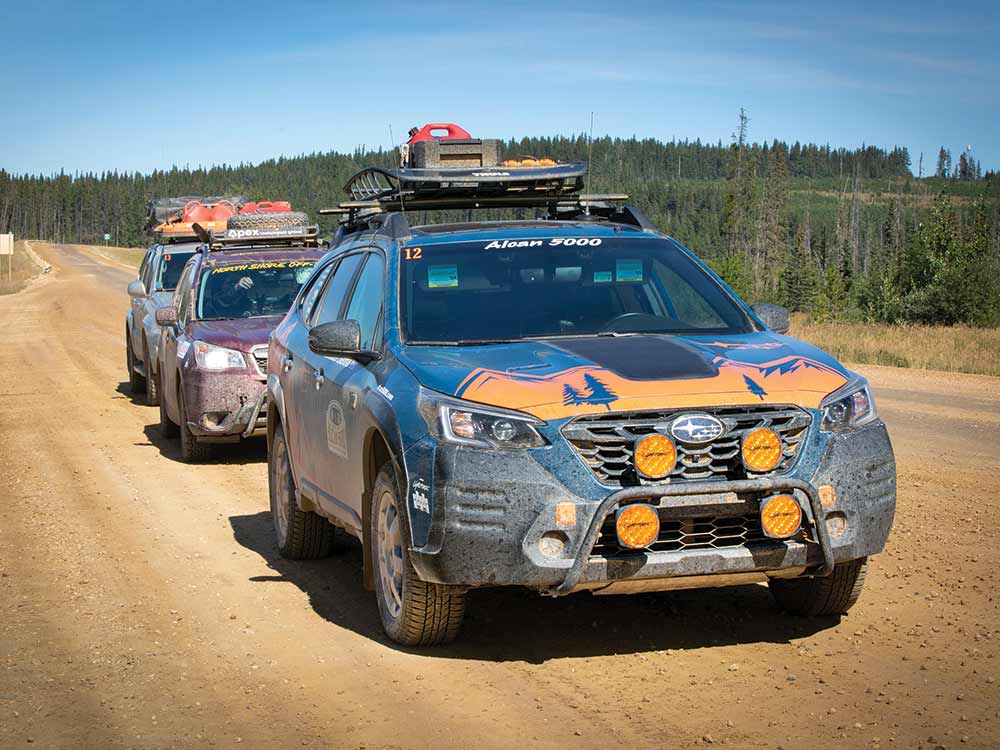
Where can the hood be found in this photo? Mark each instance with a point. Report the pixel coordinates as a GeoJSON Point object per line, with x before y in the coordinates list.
{"type": "Point", "coordinates": [237, 333]}
{"type": "Point", "coordinates": [568, 377]}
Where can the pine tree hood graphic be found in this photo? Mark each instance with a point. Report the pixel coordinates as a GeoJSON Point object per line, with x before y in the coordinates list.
{"type": "Point", "coordinates": [567, 377]}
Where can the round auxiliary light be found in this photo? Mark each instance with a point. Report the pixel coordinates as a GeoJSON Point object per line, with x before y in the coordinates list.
{"type": "Point", "coordinates": [761, 449]}
{"type": "Point", "coordinates": [637, 525]}
{"type": "Point", "coordinates": [780, 516]}
{"type": "Point", "coordinates": [655, 456]}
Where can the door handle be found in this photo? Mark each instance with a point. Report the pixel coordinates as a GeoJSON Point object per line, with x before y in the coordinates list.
{"type": "Point", "coordinates": [318, 378]}
{"type": "Point", "coordinates": [286, 361]}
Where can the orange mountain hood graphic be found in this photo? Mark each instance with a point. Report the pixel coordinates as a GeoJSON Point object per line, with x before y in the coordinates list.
{"type": "Point", "coordinates": [561, 378]}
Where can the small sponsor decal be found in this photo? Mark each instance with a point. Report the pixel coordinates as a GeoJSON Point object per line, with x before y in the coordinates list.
{"type": "Point", "coordinates": [182, 348]}
{"type": "Point", "coordinates": [439, 277]}
{"type": "Point", "coordinates": [603, 277]}
{"type": "Point", "coordinates": [385, 392]}
{"type": "Point", "coordinates": [336, 430]}
{"type": "Point", "coordinates": [421, 495]}
{"type": "Point", "coordinates": [628, 269]}
{"type": "Point", "coordinates": [296, 231]}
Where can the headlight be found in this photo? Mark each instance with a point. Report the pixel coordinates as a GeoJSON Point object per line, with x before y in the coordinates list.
{"type": "Point", "coordinates": [849, 407]}
{"type": "Point", "coordinates": [211, 357]}
{"type": "Point", "coordinates": [466, 423]}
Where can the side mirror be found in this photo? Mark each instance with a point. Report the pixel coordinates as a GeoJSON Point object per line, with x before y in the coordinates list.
{"type": "Point", "coordinates": [775, 317]}
{"type": "Point", "coordinates": [339, 338]}
{"type": "Point", "coordinates": [136, 288]}
{"type": "Point", "coordinates": [166, 316]}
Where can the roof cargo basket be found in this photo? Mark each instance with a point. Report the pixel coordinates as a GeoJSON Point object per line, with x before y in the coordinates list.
{"type": "Point", "coordinates": [161, 210]}
{"type": "Point", "coordinates": [444, 183]}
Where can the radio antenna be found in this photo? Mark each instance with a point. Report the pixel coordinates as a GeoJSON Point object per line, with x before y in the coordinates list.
{"type": "Point", "coordinates": [392, 141]}
{"type": "Point", "coordinates": [590, 153]}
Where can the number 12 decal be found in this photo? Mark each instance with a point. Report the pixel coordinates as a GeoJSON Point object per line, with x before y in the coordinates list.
{"type": "Point", "coordinates": [414, 253]}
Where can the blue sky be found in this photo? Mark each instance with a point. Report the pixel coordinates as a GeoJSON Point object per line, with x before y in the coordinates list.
{"type": "Point", "coordinates": [139, 86]}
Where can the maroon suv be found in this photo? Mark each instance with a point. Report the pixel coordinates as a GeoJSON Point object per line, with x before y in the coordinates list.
{"type": "Point", "coordinates": [213, 350]}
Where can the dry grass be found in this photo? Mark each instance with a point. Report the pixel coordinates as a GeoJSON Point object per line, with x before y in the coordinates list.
{"type": "Point", "coordinates": [23, 269]}
{"type": "Point", "coordinates": [949, 348]}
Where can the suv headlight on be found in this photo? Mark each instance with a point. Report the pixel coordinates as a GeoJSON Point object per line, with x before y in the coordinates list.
{"type": "Point", "coordinates": [466, 423]}
{"type": "Point", "coordinates": [849, 407]}
{"type": "Point", "coordinates": [211, 357]}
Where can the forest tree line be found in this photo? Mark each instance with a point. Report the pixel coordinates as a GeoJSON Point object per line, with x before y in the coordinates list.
{"type": "Point", "coordinates": [840, 233]}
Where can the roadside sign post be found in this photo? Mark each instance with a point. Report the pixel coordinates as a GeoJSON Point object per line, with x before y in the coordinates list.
{"type": "Point", "coordinates": [106, 238]}
{"type": "Point", "coordinates": [7, 248]}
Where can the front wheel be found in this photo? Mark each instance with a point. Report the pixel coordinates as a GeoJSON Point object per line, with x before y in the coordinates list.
{"type": "Point", "coordinates": [413, 612]}
{"type": "Point", "coordinates": [168, 427]}
{"type": "Point", "coordinates": [152, 385]}
{"type": "Point", "coordinates": [192, 450]}
{"type": "Point", "coordinates": [301, 535]}
{"type": "Point", "coordinates": [833, 595]}
{"type": "Point", "coordinates": [136, 382]}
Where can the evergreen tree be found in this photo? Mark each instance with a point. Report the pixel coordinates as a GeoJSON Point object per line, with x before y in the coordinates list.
{"type": "Point", "coordinates": [799, 278]}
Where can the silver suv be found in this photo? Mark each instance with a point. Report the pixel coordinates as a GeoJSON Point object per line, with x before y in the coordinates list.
{"type": "Point", "coordinates": [158, 276]}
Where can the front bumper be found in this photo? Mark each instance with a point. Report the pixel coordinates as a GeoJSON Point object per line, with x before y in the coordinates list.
{"type": "Point", "coordinates": [225, 406]}
{"type": "Point", "coordinates": [492, 518]}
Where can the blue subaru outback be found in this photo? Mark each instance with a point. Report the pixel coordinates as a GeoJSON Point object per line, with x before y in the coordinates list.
{"type": "Point", "coordinates": [568, 403]}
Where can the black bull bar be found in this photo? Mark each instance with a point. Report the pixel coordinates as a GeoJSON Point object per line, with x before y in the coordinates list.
{"type": "Point", "coordinates": [647, 492]}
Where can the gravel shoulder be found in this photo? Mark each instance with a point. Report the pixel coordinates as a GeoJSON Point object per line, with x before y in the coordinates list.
{"type": "Point", "coordinates": [142, 602]}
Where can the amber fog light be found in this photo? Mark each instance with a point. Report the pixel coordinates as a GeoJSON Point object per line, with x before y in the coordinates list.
{"type": "Point", "coordinates": [761, 449]}
{"type": "Point", "coordinates": [655, 456]}
{"type": "Point", "coordinates": [780, 516]}
{"type": "Point", "coordinates": [637, 526]}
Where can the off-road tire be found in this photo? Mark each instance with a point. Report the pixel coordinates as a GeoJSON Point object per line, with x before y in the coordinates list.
{"type": "Point", "coordinates": [192, 450]}
{"type": "Point", "coordinates": [152, 385]}
{"type": "Point", "coordinates": [136, 382]}
{"type": "Point", "coordinates": [833, 595]}
{"type": "Point", "coordinates": [302, 535]}
{"type": "Point", "coordinates": [168, 428]}
{"type": "Point", "coordinates": [268, 220]}
{"type": "Point", "coordinates": [430, 613]}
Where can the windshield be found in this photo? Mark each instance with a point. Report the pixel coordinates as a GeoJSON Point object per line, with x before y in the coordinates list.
{"type": "Point", "coordinates": [506, 290]}
{"type": "Point", "coordinates": [169, 272]}
{"type": "Point", "coordinates": [250, 290]}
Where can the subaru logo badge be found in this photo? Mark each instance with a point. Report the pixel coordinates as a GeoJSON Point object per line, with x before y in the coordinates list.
{"type": "Point", "coordinates": [696, 428]}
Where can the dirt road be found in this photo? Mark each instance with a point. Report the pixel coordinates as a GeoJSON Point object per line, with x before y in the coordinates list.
{"type": "Point", "coordinates": [142, 603]}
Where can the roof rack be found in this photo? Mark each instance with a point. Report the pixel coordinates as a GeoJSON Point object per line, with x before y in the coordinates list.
{"type": "Point", "coordinates": [443, 168]}
{"type": "Point", "coordinates": [305, 236]}
{"type": "Point", "coordinates": [376, 190]}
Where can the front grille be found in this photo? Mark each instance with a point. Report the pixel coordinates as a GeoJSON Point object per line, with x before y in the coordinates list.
{"type": "Point", "coordinates": [606, 442]}
{"type": "Point", "coordinates": [702, 532]}
{"type": "Point", "coordinates": [259, 354]}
